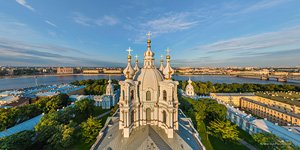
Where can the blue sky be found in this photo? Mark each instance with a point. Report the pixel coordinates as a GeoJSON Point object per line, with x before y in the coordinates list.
{"type": "Point", "coordinates": [198, 32]}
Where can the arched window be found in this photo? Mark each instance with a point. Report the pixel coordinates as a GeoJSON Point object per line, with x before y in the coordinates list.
{"type": "Point", "coordinates": [148, 96]}
{"type": "Point", "coordinates": [164, 117]}
{"type": "Point", "coordinates": [123, 94]}
{"type": "Point", "coordinates": [164, 95]}
{"type": "Point", "coordinates": [132, 117]}
{"type": "Point", "coordinates": [131, 94]}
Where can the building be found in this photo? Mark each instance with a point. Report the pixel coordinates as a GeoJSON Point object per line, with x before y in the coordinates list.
{"type": "Point", "coordinates": [253, 125]}
{"type": "Point", "coordinates": [189, 89]}
{"type": "Point", "coordinates": [231, 98]}
{"type": "Point", "coordinates": [271, 111]}
{"type": "Point", "coordinates": [91, 71]}
{"type": "Point", "coordinates": [281, 112]}
{"type": "Point", "coordinates": [65, 70]}
{"type": "Point", "coordinates": [109, 99]}
{"type": "Point", "coordinates": [148, 116]}
{"type": "Point", "coordinates": [112, 71]}
{"type": "Point", "coordinates": [75, 98]}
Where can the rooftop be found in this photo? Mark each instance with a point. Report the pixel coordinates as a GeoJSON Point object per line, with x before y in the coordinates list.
{"type": "Point", "coordinates": [27, 125]}
{"type": "Point", "coordinates": [279, 131]}
{"type": "Point", "coordinates": [148, 137]}
{"type": "Point", "coordinates": [234, 94]}
{"type": "Point", "coordinates": [272, 107]}
{"type": "Point", "coordinates": [292, 98]}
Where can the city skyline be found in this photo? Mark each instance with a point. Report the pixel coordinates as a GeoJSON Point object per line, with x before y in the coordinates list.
{"type": "Point", "coordinates": [199, 33]}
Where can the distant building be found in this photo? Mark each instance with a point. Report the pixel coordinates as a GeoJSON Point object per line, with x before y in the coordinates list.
{"type": "Point", "coordinates": [74, 98]}
{"type": "Point", "coordinates": [65, 70]}
{"type": "Point", "coordinates": [189, 89]}
{"type": "Point", "coordinates": [91, 71]}
{"type": "Point", "coordinates": [112, 71]}
{"type": "Point", "coordinates": [8, 99]}
{"type": "Point", "coordinates": [267, 108]}
{"type": "Point", "coordinates": [109, 99]}
{"type": "Point", "coordinates": [231, 98]}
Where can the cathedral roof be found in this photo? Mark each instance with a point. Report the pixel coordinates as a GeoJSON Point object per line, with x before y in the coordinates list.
{"type": "Point", "coordinates": [150, 78]}
{"type": "Point", "coordinates": [148, 137]}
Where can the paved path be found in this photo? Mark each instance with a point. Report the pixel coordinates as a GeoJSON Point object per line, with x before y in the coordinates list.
{"type": "Point", "coordinates": [102, 115]}
{"type": "Point", "coordinates": [249, 146]}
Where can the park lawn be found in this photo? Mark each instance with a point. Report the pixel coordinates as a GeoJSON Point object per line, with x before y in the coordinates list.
{"type": "Point", "coordinates": [220, 145]}
{"type": "Point", "coordinates": [98, 111]}
{"type": "Point", "coordinates": [213, 143]}
{"type": "Point", "coordinates": [81, 145]}
{"type": "Point", "coordinates": [204, 137]}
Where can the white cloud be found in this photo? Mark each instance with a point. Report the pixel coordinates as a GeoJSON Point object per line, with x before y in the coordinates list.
{"type": "Point", "coordinates": [167, 23]}
{"type": "Point", "coordinates": [106, 20]}
{"type": "Point", "coordinates": [50, 23]}
{"type": "Point", "coordinates": [87, 21]}
{"type": "Point", "coordinates": [81, 19]}
{"type": "Point", "coordinates": [261, 42]}
{"type": "Point", "coordinates": [265, 4]}
{"type": "Point", "coordinates": [170, 23]}
{"type": "Point", "coordinates": [24, 3]}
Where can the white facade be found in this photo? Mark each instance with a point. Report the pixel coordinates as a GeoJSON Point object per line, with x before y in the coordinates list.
{"type": "Point", "coordinates": [109, 99]}
{"type": "Point", "coordinates": [148, 97]}
{"type": "Point", "coordinates": [189, 89]}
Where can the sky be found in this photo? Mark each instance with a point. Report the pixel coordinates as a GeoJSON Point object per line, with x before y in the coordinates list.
{"type": "Point", "coordinates": [200, 33]}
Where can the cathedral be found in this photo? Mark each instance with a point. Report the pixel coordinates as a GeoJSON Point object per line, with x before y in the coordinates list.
{"type": "Point", "coordinates": [189, 89]}
{"type": "Point", "coordinates": [148, 115]}
{"type": "Point", "coordinates": [148, 96]}
{"type": "Point", "coordinates": [109, 99]}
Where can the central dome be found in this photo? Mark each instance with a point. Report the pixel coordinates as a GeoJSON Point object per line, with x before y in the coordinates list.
{"type": "Point", "coordinates": [150, 78]}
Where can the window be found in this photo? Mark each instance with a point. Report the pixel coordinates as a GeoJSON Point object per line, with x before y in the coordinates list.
{"type": "Point", "coordinates": [131, 94]}
{"type": "Point", "coordinates": [123, 94]}
{"type": "Point", "coordinates": [132, 117]}
{"type": "Point", "coordinates": [164, 117]}
{"type": "Point", "coordinates": [148, 96]}
{"type": "Point", "coordinates": [164, 95]}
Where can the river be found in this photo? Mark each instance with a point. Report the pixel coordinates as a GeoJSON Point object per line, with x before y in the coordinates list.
{"type": "Point", "coordinates": [23, 82]}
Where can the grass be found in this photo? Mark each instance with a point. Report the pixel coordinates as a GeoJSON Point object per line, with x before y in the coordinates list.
{"type": "Point", "coordinates": [81, 145]}
{"type": "Point", "coordinates": [204, 137]}
{"type": "Point", "coordinates": [98, 111]}
{"type": "Point", "coordinates": [221, 145]}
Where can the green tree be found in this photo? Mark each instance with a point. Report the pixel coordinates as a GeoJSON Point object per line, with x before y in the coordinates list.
{"type": "Point", "coordinates": [272, 142]}
{"type": "Point", "coordinates": [223, 130]}
{"type": "Point", "coordinates": [90, 129]}
{"type": "Point", "coordinates": [18, 141]}
{"type": "Point", "coordinates": [57, 102]}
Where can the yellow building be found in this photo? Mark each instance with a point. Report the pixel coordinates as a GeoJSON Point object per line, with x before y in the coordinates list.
{"type": "Point", "coordinates": [64, 70]}
{"type": "Point", "coordinates": [274, 111]}
{"type": "Point", "coordinates": [112, 71]}
{"type": "Point", "coordinates": [231, 98]}
{"type": "Point", "coordinates": [91, 71]}
{"type": "Point", "coordinates": [283, 113]}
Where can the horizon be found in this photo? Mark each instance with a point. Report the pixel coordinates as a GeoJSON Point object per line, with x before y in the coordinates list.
{"type": "Point", "coordinates": [218, 34]}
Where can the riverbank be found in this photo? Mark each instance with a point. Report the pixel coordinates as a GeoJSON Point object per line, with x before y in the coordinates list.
{"type": "Point", "coordinates": [31, 81]}
{"type": "Point", "coordinates": [57, 75]}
